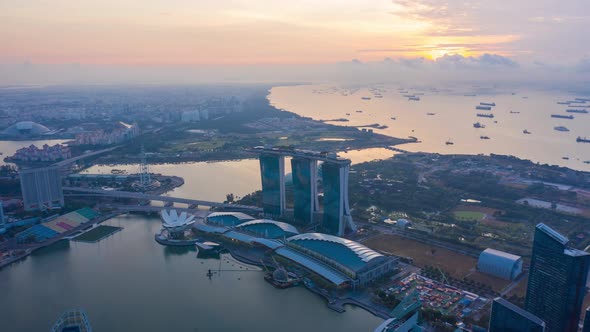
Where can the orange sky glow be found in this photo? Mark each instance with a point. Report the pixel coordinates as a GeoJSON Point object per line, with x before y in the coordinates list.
{"type": "Point", "coordinates": [140, 32]}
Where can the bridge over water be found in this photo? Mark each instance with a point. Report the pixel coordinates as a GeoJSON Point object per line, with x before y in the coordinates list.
{"type": "Point", "coordinates": [165, 199]}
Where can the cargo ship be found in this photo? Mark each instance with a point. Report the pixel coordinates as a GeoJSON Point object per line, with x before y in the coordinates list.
{"type": "Point", "coordinates": [483, 108]}
{"type": "Point", "coordinates": [572, 110]}
{"type": "Point", "coordinates": [478, 125]}
{"type": "Point", "coordinates": [582, 140]}
{"type": "Point", "coordinates": [561, 116]}
{"type": "Point", "coordinates": [483, 115]}
{"type": "Point", "coordinates": [561, 128]}
{"type": "Point", "coordinates": [488, 104]}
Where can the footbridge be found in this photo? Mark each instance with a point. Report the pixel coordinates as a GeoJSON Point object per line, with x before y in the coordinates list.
{"type": "Point", "coordinates": [168, 200]}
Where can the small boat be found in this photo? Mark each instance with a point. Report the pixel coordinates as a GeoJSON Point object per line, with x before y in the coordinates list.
{"type": "Point", "coordinates": [393, 118]}
{"type": "Point", "coordinates": [484, 137]}
{"type": "Point", "coordinates": [526, 132]}
{"type": "Point", "coordinates": [359, 111]}
{"type": "Point", "coordinates": [488, 104]}
{"type": "Point", "coordinates": [483, 108]}
{"type": "Point", "coordinates": [513, 112]}
{"type": "Point", "coordinates": [415, 98]}
{"type": "Point", "coordinates": [430, 113]}
{"type": "Point", "coordinates": [563, 102]}
{"type": "Point", "coordinates": [587, 162]}
{"type": "Point", "coordinates": [582, 140]}
{"type": "Point", "coordinates": [366, 98]}
{"type": "Point", "coordinates": [561, 116]}
{"type": "Point", "coordinates": [449, 142]}
{"type": "Point", "coordinates": [573, 110]}
{"type": "Point", "coordinates": [347, 113]}
{"type": "Point", "coordinates": [478, 125]}
{"type": "Point", "coordinates": [484, 115]}
{"type": "Point", "coordinates": [561, 128]}
{"type": "Point", "coordinates": [565, 158]}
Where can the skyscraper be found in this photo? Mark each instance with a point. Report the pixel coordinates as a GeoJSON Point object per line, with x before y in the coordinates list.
{"type": "Point", "coordinates": [336, 210]}
{"type": "Point", "coordinates": [41, 188]}
{"type": "Point", "coordinates": [507, 317]}
{"type": "Point", "coordinates": [557, 280]}
{"type": "Point", "coordinates": [2, 222]}
{"type": "Point", "coordinates": [305, 189]}
{"type": "Point", "coordinates": [272, 171]}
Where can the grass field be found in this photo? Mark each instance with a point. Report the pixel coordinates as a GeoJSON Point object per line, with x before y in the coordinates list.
{"type": "Point", "coordinates": [97, 233]}
{"type": "Point", "coordinates": [469, 215]}
{"type": "Point", "coordinates": [456, 264]}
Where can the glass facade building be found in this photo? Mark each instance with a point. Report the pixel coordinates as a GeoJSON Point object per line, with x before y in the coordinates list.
{"type": "Point", "coordinates": [332, 223]}
{"type": "Point", "coordinates": [507, 317]}
{"type": "Point", "coordinates": [41, 188]}
{"type": "Point", "coordinates": [336, 209]}
{"type": "Point", "coordinates": [272, 171]}
{"type": "Point", "coordinates": [557, 280]}
{"type": "Point", "coordinates": [304, 190]}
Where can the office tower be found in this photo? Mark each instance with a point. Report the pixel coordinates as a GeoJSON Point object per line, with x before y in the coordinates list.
{"type": "Point", "coordinates": [557, 280]}
{"type": "Point", "coordinates": [41, 188]}
{"type": "Point", "coordinates": [336, 209]}
{"type": "Point", "coordinates": [2, 221]}
{"type": "Point", "coordinates": [272, 171]}
{"type": "Point", "coordinates": [304, 189]}
{"type": "Point", "coordinates": [507, 317]}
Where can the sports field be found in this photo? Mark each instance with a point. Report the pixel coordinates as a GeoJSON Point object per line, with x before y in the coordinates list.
{"type": "Point", "coordinates": [468, 215]}
{"type": "Point", "coordinates": [98, 233]}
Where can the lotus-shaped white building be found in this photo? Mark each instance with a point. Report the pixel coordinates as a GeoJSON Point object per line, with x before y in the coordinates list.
{"type": "Point", "coordinates": [175, 222]}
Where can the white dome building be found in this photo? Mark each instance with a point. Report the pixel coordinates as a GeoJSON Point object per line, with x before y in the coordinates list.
{"type": "Point", "coordinates": [26, 128]}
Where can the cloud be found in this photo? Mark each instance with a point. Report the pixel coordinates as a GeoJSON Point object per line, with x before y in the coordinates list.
{"type": "Point", "coordinates": [486, 60]}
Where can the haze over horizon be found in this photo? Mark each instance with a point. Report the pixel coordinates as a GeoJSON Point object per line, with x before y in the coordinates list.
{"type": "Point", "coordinates": [62, 42]}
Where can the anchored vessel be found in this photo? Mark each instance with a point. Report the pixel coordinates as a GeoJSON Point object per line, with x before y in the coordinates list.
{"type": "Point", "coordinates": [561, 128]}
{"type": "Point", "coordinates": [483, 108]}
{"type": "Point", "coordinates": [582, 140]}
{"type": "Point", "coordinates": [484, 115]}
{"type": "Point", "coordinates": [561, 116]}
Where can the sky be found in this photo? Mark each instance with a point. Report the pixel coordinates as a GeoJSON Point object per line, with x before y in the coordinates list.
{"type": "Point", "coordinates": [131, 34]}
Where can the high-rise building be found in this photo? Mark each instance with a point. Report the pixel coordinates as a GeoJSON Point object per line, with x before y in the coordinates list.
{"type": "Point", "coordinates": [272, 171]}
{"type": "Point", "coordinates": [304, 189]}
{"type": "Point", "coordinates": [336, 210]}
{"type": "Point", "coordinates": [557, 280]}
{"type": "Point", "coordinates": [2, 221]}
{"type": "Point", "coordinates": [586, 327]}
{"type": "Point", "coordinates": [41, 188]}
{"type": "Point", "coordinates": [507, 317]}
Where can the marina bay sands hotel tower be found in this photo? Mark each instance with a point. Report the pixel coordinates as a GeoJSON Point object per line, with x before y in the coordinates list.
{"type": "Point", "coordinates": [336, 213]}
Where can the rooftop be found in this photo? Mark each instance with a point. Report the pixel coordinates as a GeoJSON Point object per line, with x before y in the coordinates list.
{"type": "Point", "coordinates": [553, 233]}
{"type": "Point", "coordinates": [519, 311]}
{"type": "Point", "coordinates": [284, 227]}
{"type": "Point", "coordinates": [346, 252]}
{"type": "Point", "coordinates": [315, 155]}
